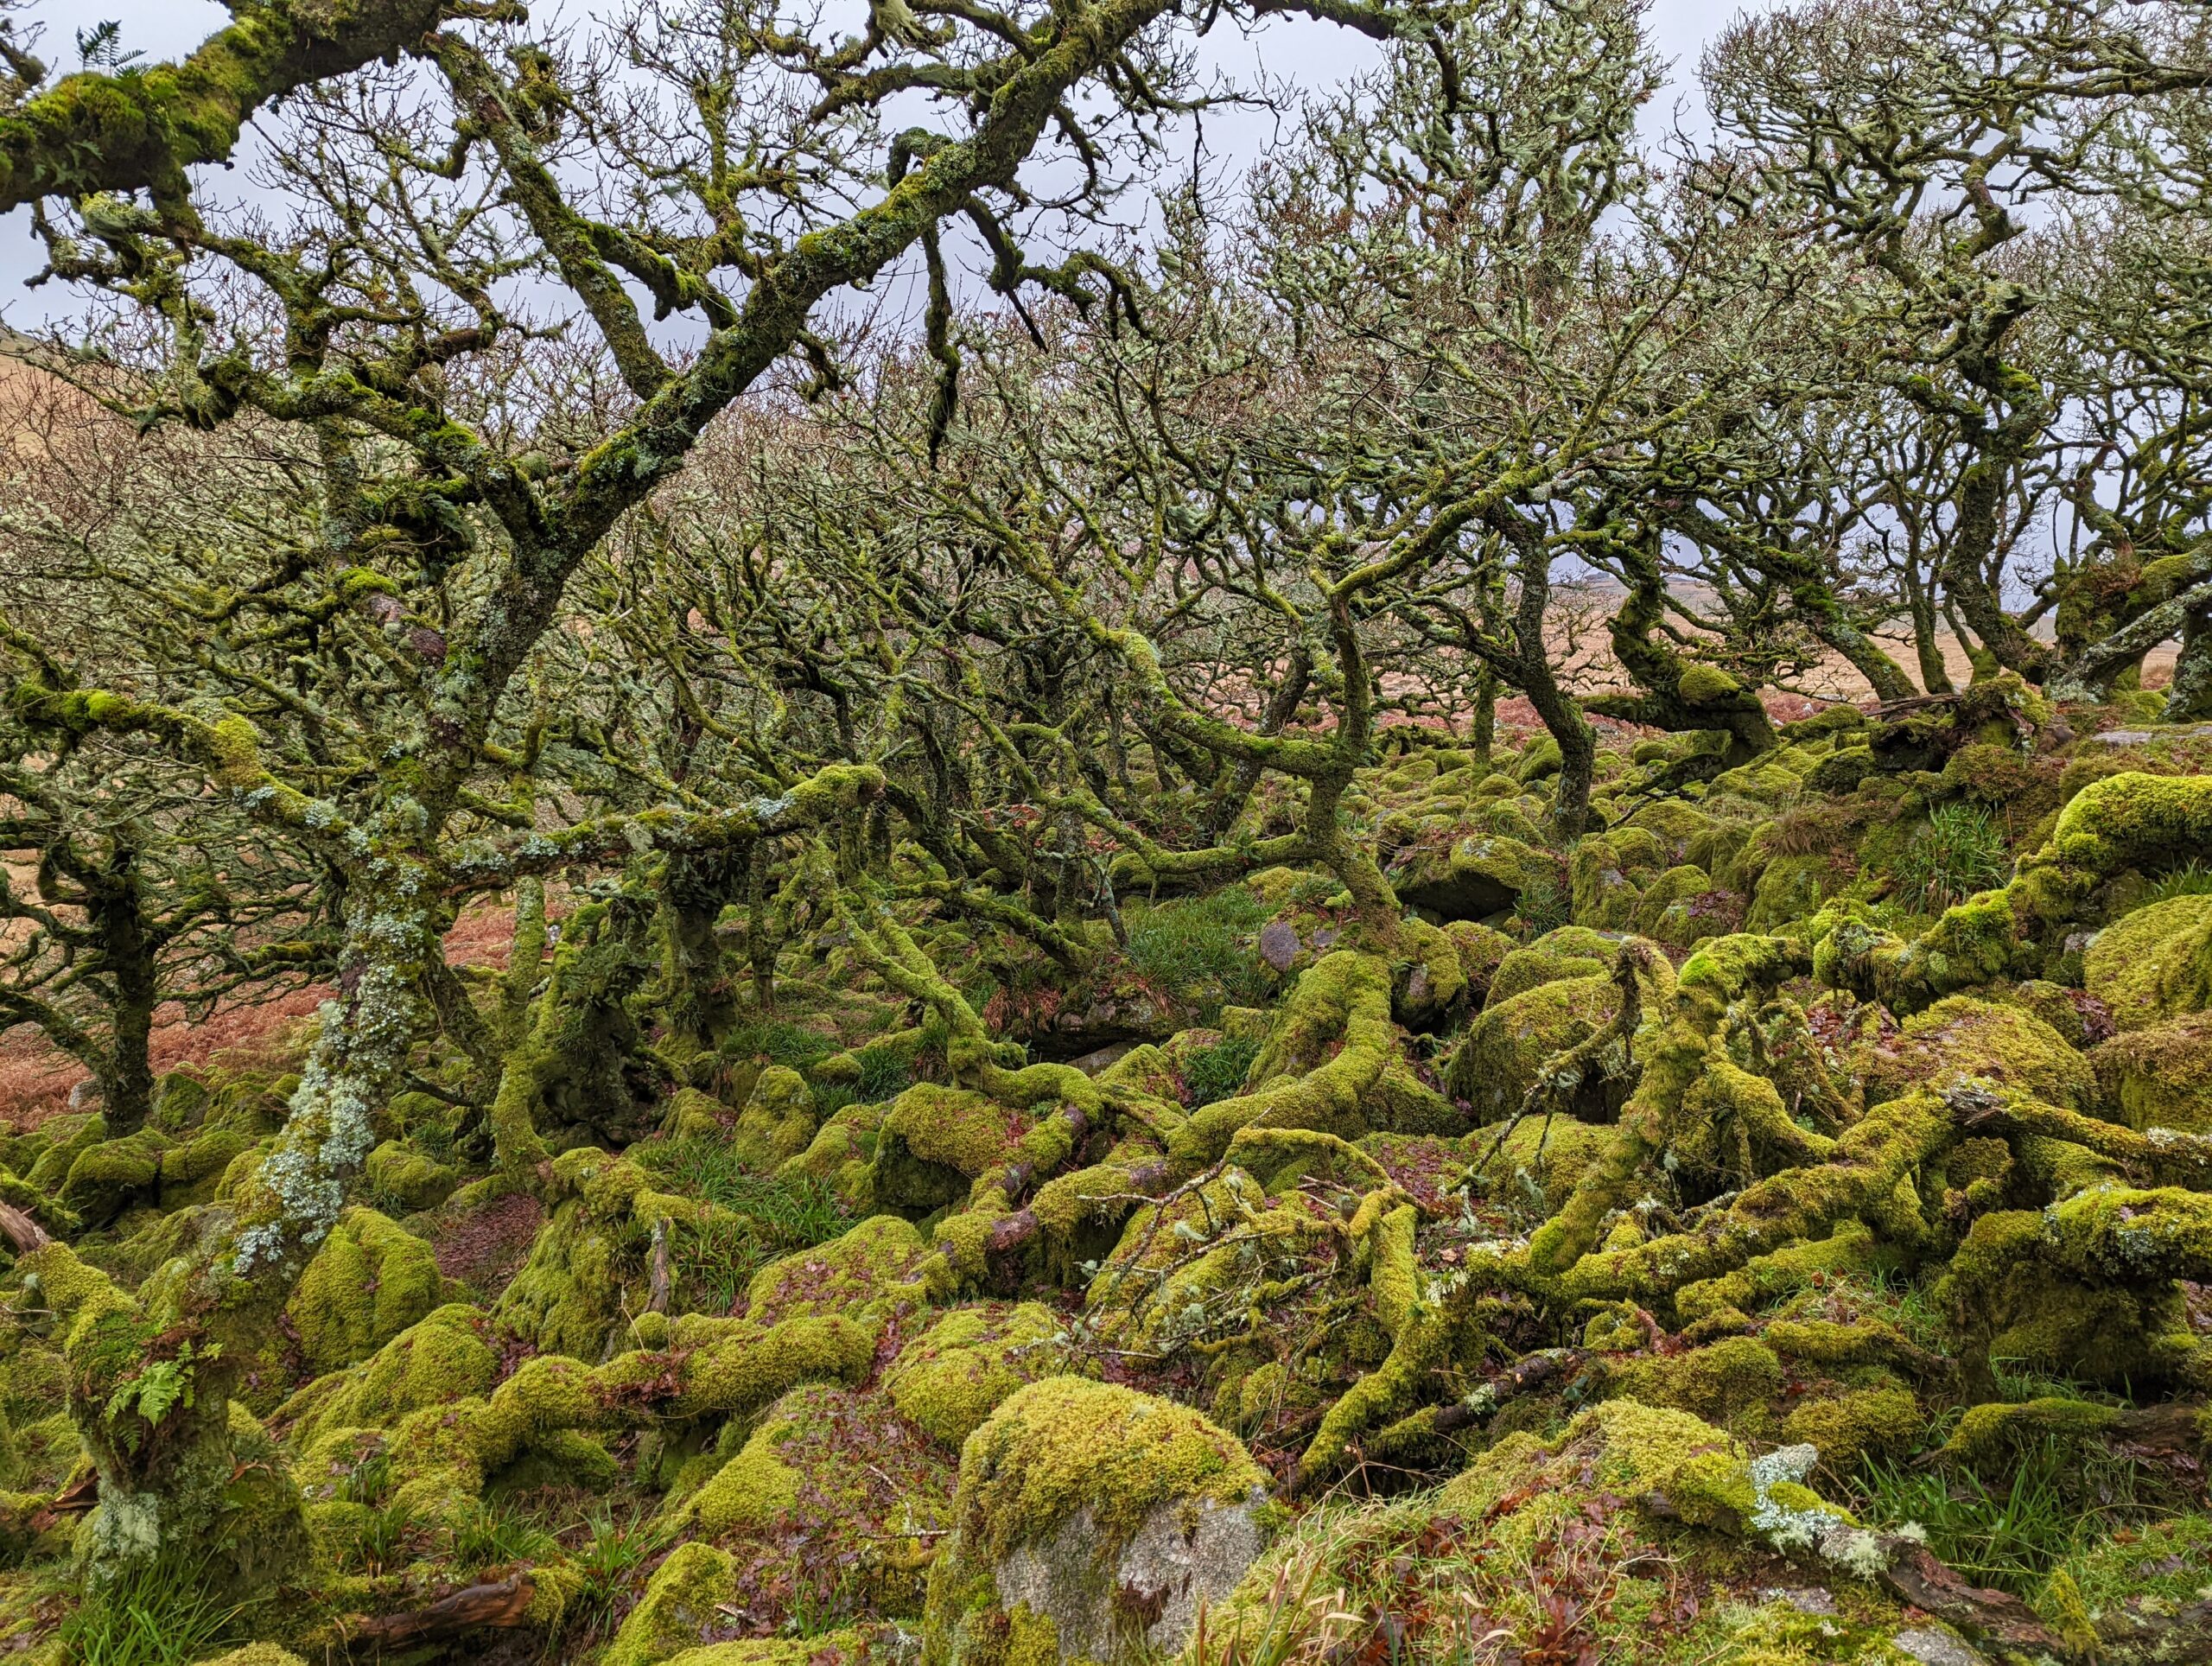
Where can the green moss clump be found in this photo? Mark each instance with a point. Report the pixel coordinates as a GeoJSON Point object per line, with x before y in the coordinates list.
{"type": "Point", "coordinates": [409, 1179]}
{"type": "Point", "coordinates": [446, 1355]}
{"type": "Point", "coordinates": [1964, 1037]}
{"type": "Point", "coordinates": [1497, 1062]}
{"type": "Point", "coordinates": [2155, 964]}
{"type": "Point", "coordinates": [107, 1177]}
{"type": "Point", "coordinates": [1881, 1421]}
{"type": "Point", "coordinates": [1535, 966]}
{"type": "Point", "coordinates": [1732, 1383]}
{"type": "Point", "coordinates": [955, 1374]}
{"type": "Point", "coordinates": [1543, 1163]}
{"type": "Point", "coordinates": [2130, 1585]}
{"type": "Point", "coordinates": [880, 1263]}
{"type": "Point", "coordinates": [1632, 1451]}
{"type": "Point", "coordinates": [370, 1281]}
{"type": "Point", "coordinates": [1065, 1474]}
{"type": "Point", "coordinates": [680, 1604]}
{"type": "Point", "coordinates": [833, 1488]}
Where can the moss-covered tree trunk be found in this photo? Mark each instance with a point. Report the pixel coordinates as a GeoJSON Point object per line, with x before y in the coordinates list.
{"type": "Point", "coordinates": [115, 907]}
{"type": "Point", "coordinates": [1675, 692]}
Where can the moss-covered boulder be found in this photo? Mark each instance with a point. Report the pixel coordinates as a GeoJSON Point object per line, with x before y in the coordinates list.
{"type": "Point", "coordinates": [1569, 952]}
{"type": "Point", "coordinates": [841, 1156]}
{"type": "Point", "coordinates": [953, 1375]}
{"type": "Point", "coordinates": [880, 1265]}
{"type": "Point", "coordinates": [1495, 1063]}
{"type": "Point", "coordinates": [681, 1604]}
{"type": "Point", "coordinates": [778, 1120]}
{"type": "Point", "coordinates": [2155, 964]}
{"type": "Point", "coordinates": [1536, 1161]}
{"type": "Point", "coordinates": [1477, 875]}
{"type": "Point", "coordinates": [835, 1496]}
{"type": "Point", "coordinates": [370, 1281]}
{"type": "Point", "coordinates": [1092, 1523]}
{"type": "Point", "coordinates": [191, 1167]}
{"type": "Point", "coordinates": [109, 1177]}
{"type": "Point", "coordinates": [448, 1355]}
{"type": "Point", "coordinates": [1682, 907]}
{"type": "Point", "coordinates": [1607, 874]}
{"type": "Point", "coordinates": [1790, 888]}
{"type": "Point", "coordinates": [1963, 1037]}
{"type": "Point", "coordinates": [935, 1140]}
{"type": "Point", "coordinates": [411, 1179]}
{"type": "Point", "coordinates": [2161, 1077]}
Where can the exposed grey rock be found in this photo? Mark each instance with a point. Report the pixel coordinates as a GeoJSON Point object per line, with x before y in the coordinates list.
{"type": "Point", "coordinates": [1934, 1648]}
{"type": "Point", "coordinates": [1810, 1600]}
{"type": "Point", "coordinates": [1148, 1602]}
{"type": "Point", "coordinates": [1113, 1052]}
{"type": "Point", "coordinates": [1279, 945]}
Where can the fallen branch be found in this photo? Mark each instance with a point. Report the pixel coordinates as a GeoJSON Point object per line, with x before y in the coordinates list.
{"type": "Point", "coordinates": [501, 1605]}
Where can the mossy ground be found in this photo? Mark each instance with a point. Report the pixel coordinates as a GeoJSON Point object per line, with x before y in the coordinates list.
{"type": "Point", "coordinates": [875, 1305]}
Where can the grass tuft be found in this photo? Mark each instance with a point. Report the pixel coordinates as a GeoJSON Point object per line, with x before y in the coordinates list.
{"type": "Point", "coordinates": [1218, 1071]}
{"type": "Point", "coordinates": [1202, 949]}
{"type": "Point", "coordinates": [1959, 852]}
{"type": "Point", "coordinates": [158, 1615]}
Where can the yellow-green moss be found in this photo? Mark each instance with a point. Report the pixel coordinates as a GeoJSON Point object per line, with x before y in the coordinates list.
{"type": "Point", "coordinates": [1963, 1037]}
{"type": "Point", "coordinates": [1544, 1159]}
{"type": "Point", "coordinates": [370, 1281]}
{"type": "Point", "coordinates": [778, 1120]}
{"type": "Point", "coordinates": [1066, 1445]}
{"type": "Point", "coordinates": [880, 1262]}
{"type": "Point", "coordinates": [1731, 1382]}
{"type": "Point", "coordinates": [956, 1373]}
{"type": "Point", "coordinates": [2161, 1075]}
{"type": "Point", "coordinates": [1882, 1421]}
{"type": "Point", "coordinates": [1509, 1041]}
{"type": "Point", "coordinates": [680, 1604]}
{"type": "Point", "coordinates": [2155, 964]}
{"type": "Point", "coordinates": [409, 1179]}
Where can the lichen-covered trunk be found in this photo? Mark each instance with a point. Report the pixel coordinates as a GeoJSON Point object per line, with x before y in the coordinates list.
{"type": "Point", "coordinates": [2190, 699]}
{"type": "Point", "coordinates": [368, 1029]}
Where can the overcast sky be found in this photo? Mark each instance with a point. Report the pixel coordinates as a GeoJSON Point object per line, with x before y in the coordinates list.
{"type": "Point", "coordinates": [1298, 52]}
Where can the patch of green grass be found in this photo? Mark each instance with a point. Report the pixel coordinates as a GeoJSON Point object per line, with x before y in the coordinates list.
{"type": "Point", "coordinates": [886, 1072]}
{"type": "Point", "coordinates": [795, 1212]}
{"type": "Point", "coordinates": [715, 1257]}
{"type": "Point", "coordinates": [2191, 879]}
{"type": "Point", "coordinates": [779, 1041]}
{"type": "Point", "coordinates": [159, 1615]}
{"type": "Point", "coordinates": [714, 1261]}
{"type": "Point", "coordinates": [380, 1542]}
{"type": "Point", "coordinates": [613, 1552]}
{"type": "Point", "coordinates": [1218, 1071]}
{"type": "Point", "coordinates": [1545, 904]}
{"type": "Point", "coordinates": [485, 1537]}
{"type": "Point", "coordinates": [2011, 1530]}
{"type": "Point", "coordinates": [1959, 852]}
{"type": "Point", "coordinates": [1201, 950]}
{"type": "Point", "coordinates": [369, 1482]}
